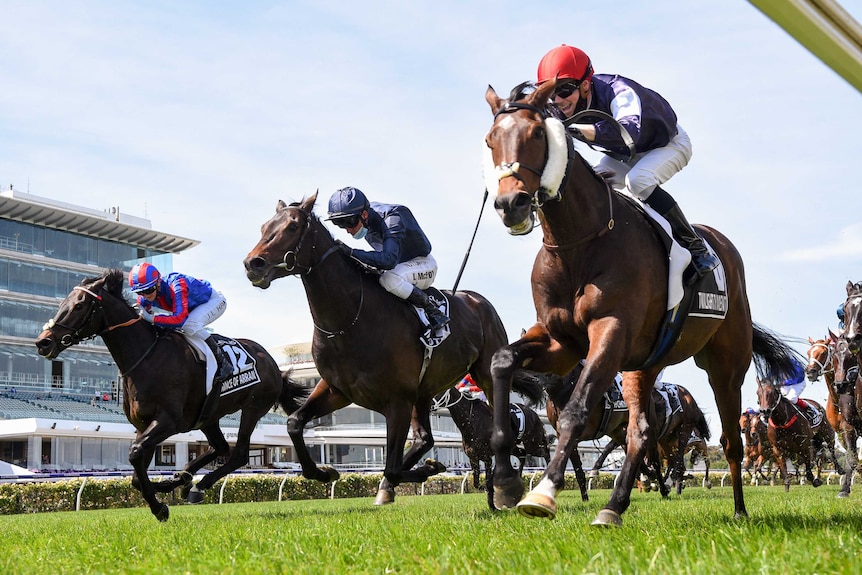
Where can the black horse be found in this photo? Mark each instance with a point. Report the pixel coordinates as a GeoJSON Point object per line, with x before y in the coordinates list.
{"type": "Point", "coordinates": [366, 344]}
{"type": "Point", "coordinates": [163, 384]}
{"type": "Point", "coordinates": [475, 421]}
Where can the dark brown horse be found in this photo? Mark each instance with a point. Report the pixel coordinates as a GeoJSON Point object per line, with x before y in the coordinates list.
{"type": "Point", "coordinates": [682, 433]}
{"type": "Point", "coordinates": [366, 344]}
{"type": "Point", "coordinates": [163, 384]}
{"type": "Point", "coordinates": [847, 386]}
{"type": "Point", "coordinates": [475, 421]}
{"type": "Point", "coordinates": [600, 292]}
{"type": "Point", "coordinates": [792, 435]}
{"type": "Point", "coordinates": [758, 449]}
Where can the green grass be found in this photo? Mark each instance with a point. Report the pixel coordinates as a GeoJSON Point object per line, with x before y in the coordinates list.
{"type": "Point", "coordinates": [805, 531]}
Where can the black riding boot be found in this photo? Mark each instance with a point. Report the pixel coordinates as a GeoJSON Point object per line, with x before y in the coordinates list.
{"type": "Point", "coordinates": [701, 258]}
{"type": "Point", "coordinates": [224, 368]}
{"type": "Point", "coordinates": [435, 317]}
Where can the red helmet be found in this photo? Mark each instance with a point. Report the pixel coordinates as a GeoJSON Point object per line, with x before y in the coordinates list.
{"type": "Point", "coordinates": [565, 62]}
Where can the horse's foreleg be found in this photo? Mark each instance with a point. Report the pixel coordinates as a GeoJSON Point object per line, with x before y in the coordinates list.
{"type": "Point", "coordinates": [398, 418]}
{"type": "Point", "coordinates": [851, 460]}
{"type": "Point", "coordinates": [322, 401]}
{"type": "Point", "coordinates": [508, 488]}
{"type": "Point", "coordinates": [141, 453]}
{"type": "Point", "coordinates": [423, 440]}
{"type": "Point", "coordinates": [581, 477]}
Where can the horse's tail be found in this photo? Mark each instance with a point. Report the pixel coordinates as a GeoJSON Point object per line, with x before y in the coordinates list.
{"type": "Point", "coordinates": [529, 385]}
{"type": "Point", "coordinates": [774, 360]}
{"type": "Point", "coordinates": [292, 395]}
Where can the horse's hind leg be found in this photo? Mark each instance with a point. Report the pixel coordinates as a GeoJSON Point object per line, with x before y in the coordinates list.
{"type": "Point", "coordinates": [851, 461]}
{"type": "Point", "coordinates": [220, 447]}
{"type": "Point", "coordinates": [398, 419]}
{"type": "Point", "coordinates": [423, 441]}
{"type": "Point", "coordinates": [581, 477]}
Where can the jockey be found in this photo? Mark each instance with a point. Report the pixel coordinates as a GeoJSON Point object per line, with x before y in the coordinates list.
{"type": "Point", "coordinates": [401, 248]}
{"type": "Point", "coordinates": [792, 388]}
{"type": "Point", "coordinates": [840, 313]}
{"type": "Point", "coordinates": [190, 304]}
{"type": "Point", "coordinates": [661, 148]}
{"type": "Point", "coordinates": [468, 385]}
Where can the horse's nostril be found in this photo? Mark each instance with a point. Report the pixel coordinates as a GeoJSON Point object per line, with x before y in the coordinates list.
{"type": "Point", "coordinates": [256, 263]}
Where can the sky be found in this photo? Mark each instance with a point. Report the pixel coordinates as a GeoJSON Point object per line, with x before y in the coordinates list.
{"type": "Point", "coordinates": [200, 116]}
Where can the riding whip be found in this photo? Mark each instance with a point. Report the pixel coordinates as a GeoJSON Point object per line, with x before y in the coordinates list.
{"type": "Point", "coordinates": [470, 247]}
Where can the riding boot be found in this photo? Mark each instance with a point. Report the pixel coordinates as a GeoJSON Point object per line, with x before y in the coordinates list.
{"type": "Point", "coordinates": [701, 258]}
{"type": "Point", "coordinates": [436, 318]}
{"type": "Point", "coordinates": [224, 368]}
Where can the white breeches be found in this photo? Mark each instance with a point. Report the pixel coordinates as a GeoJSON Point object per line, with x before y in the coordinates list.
{"type": "Point", "coordinates": [419, 272]}
{"type": "Point", "coordinates": [644, 172]}
{"type": "Point", "coordinates": [194, 332]}
{"type": "Point", "coordinates": [792, 392]}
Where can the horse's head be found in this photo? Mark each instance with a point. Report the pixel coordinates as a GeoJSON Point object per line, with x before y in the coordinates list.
{"type": "Point", "coordinates": [768, 398]}
{"type": "Point", "coordinates": [526, 155]}
{"type": "Point", "coordinates": [845, 365]}
{"type": "Point", "coordinates": [81, 315]}
{"type": "Point", "coordinates": [819, 358]}
{"type": "Point", "coordinates": [853, 316]}
{"type": "Point", "coordinates": [277, 253]}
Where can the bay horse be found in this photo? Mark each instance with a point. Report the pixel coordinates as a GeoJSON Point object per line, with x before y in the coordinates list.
{"type": "Point", "coordinates": [820, 359]}
{"type": "Point", "coordinates": [691, 429]}
{"type": "Point", "coordinates": [366, 344]}
{"type": "Point", "coordinates": [164, 385]}
{"type": "Point", "coordinates": [758, 449]}
{"type": "Point", "coordinates": [792, 435]}
{"type": "Point", "coordinates": [600, 289]}
{"type": "Point", "coordinates": [846, 385]}
{"type": "Point", "coordinates": [475, 421]}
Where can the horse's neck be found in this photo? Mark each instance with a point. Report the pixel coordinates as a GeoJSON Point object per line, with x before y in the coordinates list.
{"type": "Point", "coordinates": [466, 413]}
{"type": "Point", "coordinates": [582, 208]}
{"type": "Point", "coordinates": [331, 288]}
{"type": "Point", "coordinates": [126, 343]}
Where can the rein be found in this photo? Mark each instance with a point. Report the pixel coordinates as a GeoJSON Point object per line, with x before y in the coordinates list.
{"type": "Point", "coordinates": [294, 253]}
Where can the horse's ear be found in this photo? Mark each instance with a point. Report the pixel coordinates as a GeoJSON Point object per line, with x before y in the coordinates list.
{"type": "Point", "coordinates": [493, 99]}
{"type": "Point", "coordinates": [849, 287]}
{"type": "Point", "coordinates": [308, 204]}
{"type": "Point", "coordinates": [830, 337]}
{"type": "Point", "coordinates": [280, 205]}
{"type": "Point", "coordinates": [810, 341]}
{"type": "Point", "coordinates": [542, 95]}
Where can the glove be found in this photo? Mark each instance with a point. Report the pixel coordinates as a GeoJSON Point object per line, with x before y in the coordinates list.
{"type": "Point", "coordinates": [147, 315]}
{"type": "Point", "coordinates": [343, 248]}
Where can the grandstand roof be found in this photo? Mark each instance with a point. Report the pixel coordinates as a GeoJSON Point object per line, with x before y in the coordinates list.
{"type": "Point", "coordinates": [108, 225]}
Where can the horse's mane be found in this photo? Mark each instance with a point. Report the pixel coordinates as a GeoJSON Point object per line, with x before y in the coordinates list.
{"type": "Point", "coordinates": [113, 281]}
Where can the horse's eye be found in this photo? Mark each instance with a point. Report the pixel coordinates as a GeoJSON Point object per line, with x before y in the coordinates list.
{"type": "Point", "coordinates": [539, 133]}
{"type": "Point", "coordinates": [78, 306]}
{"type": "Point", "coordinates": [292, 226]}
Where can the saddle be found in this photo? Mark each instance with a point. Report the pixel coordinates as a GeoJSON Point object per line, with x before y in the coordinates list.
{"type": "Point", "coordinates": [705, 297]}
{"type": "Point", "coordinates": [245, 373]}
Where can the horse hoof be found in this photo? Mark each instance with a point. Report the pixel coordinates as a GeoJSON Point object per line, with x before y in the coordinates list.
{"type": "Point", "coordinates": [607, 518]}
{"type": "Point", "coordinates": [709, 485]}
{"type": "Point", "coordinates": [842, 495]}
{"type": "Point", "coordinates": [195, 496]}
{"type": "Point", "coordinates": [817, 482]}
{"type": "Point", "coordinates": [329, 474]}
{"type": "Point", "coordinates": [384, 497]}
{"type": "Point", "coordinates": [537, 505]}
{"type": "Point", "coordinates": [163, 513]}
{"type": "Point", "coordinates": [434, 466]}
{"type": "Point", "coordinates": [593, 473]}
{"type": "Point", "coordinates": [508, 494]}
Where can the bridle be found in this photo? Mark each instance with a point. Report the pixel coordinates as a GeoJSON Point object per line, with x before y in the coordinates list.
{"type": "Point", "coordinates": [290, 263]}
{"type": "Point", "coordinates": [75, 336]}
{"type": "Point", "coordinates": [543, 194]}
{"type": "Point", "coordinates": [824, 367]}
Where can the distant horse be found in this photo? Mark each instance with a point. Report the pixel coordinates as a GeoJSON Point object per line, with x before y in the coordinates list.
{"type": "Point", "coordinates": [758, 449]}
{"type": "Point", "coordinates": [792, 435]}
{"type": "Point", "coordinates": [163, 384]}
{"type": "Point", "coordinates": [820, 363]}
{"type": "Point", "coordinates": [698, 447]}
{"type": "Point", "coordinates": [847, 386]}
{"type": "Point", "coordinates": [475, 421]}
{"type": "Point", "coordinates": [366, 344]}
{"type": "Point", "coordinates": [600, 288]}
{"type": "Point", "coordinates": [677, 441]}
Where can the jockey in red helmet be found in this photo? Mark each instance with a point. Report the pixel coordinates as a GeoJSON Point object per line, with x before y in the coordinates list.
{"type": "Point", "coordinates": [653, 148]}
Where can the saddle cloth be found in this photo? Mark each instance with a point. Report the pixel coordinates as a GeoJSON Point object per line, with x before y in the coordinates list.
{"type": "Point", "coordinates": [439, 335]}
{"type": "Point", "coordinates": [245, 372]}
